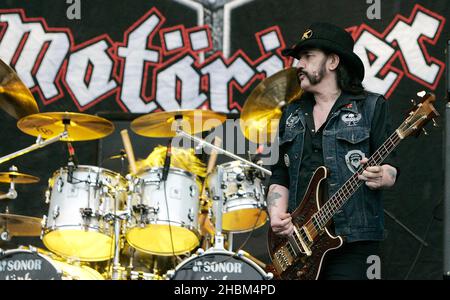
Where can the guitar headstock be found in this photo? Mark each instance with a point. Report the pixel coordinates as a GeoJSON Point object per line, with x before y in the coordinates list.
{"type": "Point", "coordinates": [419, 116]}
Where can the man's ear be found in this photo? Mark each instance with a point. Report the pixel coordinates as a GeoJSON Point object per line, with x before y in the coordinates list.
{"type": "Point", "coordinates": [333, 60]}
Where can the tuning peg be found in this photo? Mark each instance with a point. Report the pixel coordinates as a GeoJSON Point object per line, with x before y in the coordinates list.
{"type": "Point", "coordinates": [424, 131]}
{"type": "Point", "coordinates": [435, 124]}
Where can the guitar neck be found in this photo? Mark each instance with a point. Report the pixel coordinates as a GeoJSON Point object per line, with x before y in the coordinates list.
{"type": "Point", "coordinates": [337, 201]}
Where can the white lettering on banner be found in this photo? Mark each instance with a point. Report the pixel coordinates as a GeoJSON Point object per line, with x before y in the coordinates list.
{"type": "Point", "coordinates": [383, 52]}
{"type": "Point", "coordinates": [78, 70]}
{"type": "Point", "coordinates": [145, 77]}
{"type": "Point", "coordinates": [45, 50]}
{"type": "Point", "coordinates": [188, 90]}
{"type": "Point", "coordinates": [221, 77]}
{"type": "Point", "coordinates": [409, 39]}
{"type": "Point", "coordinates": [270, 65]}
{"type": "Point", "coordinates": [137, 56]}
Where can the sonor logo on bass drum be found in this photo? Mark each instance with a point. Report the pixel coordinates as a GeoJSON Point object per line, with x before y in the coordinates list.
{"type": "Point", "coordinates": [21, 265]}
{"type": "Point", "coordinates": [215, 267]}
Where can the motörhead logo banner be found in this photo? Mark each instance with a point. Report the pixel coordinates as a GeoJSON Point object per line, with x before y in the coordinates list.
{"type": "Point", "coordinates": [145, 56]}
{"type": "Point", "coordinates": [142, 57]}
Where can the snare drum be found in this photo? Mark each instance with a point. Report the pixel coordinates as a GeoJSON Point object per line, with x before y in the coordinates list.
{"type": "Point", "coordinates": [79, 223]}
{"type": "Point", "coordinates": [218, 265]}
{"type": "Point", "coordinates": [22, 264]}
{"type": "Point", "coordinates": [159, 204]}
{"type": "Point", "coordinates": [244, 205]}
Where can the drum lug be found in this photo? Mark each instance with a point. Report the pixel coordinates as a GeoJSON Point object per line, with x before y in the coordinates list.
{"type": "Point", "coordinates": [191, 215]}
{"type": "Point", "coordinates": [44, 221]}
{"type": "Point", "coordinates": [86, 212]}
{"type": "Point", "coordinates": [47, 196]}
{"type": "Point", "coordinates": [56, 212]}
{"type": "Point", "coordinates": [59, 185]}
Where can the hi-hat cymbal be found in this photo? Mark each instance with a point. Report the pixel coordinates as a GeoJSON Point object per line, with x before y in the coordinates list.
{"type": "Point", "coordinates": [163, 124]}
{"type": "Point", "coordinates": [16, 177]}
{"type": "Point", "coordinates": [15, 98]}
{"type": "Point", "coordinates": [262, 109]}
{"type": "Point", "coordinates": [80, 127]}
{"type": "Point", "coordinates": [17, 225]}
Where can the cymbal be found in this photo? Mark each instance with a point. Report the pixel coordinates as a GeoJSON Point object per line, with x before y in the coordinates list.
{"type": "Point", "coordinates": [15, 98]}
{"type": "Point", "coordinates": [16, 177]}
{"type": "Point", "coordinates": [80, 127]}
{"type": "Point", "coordinates": [262, 109]}
{"type": "Point", "coordinates": [163, 124]}
{"type": "Point", "coordinates": [17, 225]}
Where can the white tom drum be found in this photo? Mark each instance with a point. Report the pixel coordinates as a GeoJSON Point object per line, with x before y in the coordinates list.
{"type": "Point", "coordinates": [244, 206]}
{"type": "Point", "coordinates": [165, 214]}
{"type": "Point", "coordinates": [79, 222]}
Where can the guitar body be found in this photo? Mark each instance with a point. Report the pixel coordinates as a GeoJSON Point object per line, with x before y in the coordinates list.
{"type": "Point", "coordinates": [303, 266]}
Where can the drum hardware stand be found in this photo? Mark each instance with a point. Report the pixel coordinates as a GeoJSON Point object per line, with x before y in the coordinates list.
{"type": "Point", "coordinates": [119, 216]}
{"type": "Point", "coordinates": [40, 143]}
{"type": "Point", "coordinates": [12, 193]}
{"type": "Point", "coordinates": [218, 204]}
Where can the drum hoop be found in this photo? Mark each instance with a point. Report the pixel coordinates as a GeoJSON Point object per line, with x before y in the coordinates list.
{"type": "Point", "coordinates": [172, 170]}
{"type": "Point", "coordinates": [96, 169]}
{"type": "Point", "coordinates": [89, 228]}
{"type": "Point", "coordinates": [224, 252]}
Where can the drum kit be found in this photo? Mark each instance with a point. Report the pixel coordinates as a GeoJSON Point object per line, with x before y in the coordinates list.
{"type": "Point", "coordinates": [147, 225]}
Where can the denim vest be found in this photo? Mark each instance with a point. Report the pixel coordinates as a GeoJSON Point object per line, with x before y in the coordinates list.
{"type": "Point", "coordinates": [346, 135]}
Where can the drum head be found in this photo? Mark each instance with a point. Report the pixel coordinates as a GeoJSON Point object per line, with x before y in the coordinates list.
{"type": "Point", "coordinates": [156, 239]}
{"type": "Point", "coordinates": [83, 245]}
{"type": "Point", "coordinates": [243, 220]}
{"type": "Point", "coordinates": [218, 266]}
{"type": "Point", "coordinates": [27, 265]}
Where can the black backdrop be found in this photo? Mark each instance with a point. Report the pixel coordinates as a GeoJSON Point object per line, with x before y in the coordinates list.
{"type": "Point", "coordinates": [416, 200]}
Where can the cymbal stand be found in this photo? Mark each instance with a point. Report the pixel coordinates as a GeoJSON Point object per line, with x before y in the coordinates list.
{"type": "Point", "coordinates": [203, 143]}
{"type": "Point", "coordinates": [218, 205]}
{"type": "Point", "coordinates": [40, 143]}
{"type": "Point", "coordinates": [12, 193]}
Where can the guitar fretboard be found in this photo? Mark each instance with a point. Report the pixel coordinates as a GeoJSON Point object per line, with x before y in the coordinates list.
{"type": "Point", "coordinates": [337, 201]}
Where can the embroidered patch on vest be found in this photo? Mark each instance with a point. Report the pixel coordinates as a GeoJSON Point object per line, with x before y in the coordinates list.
{"type": "Point", "coordinates": [286, 160]}
{"type": "Point", "coordinates": [353, 159]}
{"type": "Point", "coordinates": [292, 119]}
{"type": "Point", "coordinates": [351, 119]}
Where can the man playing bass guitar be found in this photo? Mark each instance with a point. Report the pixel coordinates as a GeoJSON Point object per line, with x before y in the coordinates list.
{"type": "Point", "coordinates": [336, 124]}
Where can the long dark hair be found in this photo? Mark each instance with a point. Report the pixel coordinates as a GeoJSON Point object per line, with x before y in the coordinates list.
{"type": "Point", "coordinates": [347, 81]}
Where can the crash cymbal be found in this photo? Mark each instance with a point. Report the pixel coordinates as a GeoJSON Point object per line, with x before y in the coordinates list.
{"type": "Point", "coordinates": [81, 127]}
{"type": "Point", "coordinates": [15, 98]}
{"type": "Point", "coordinates": [163, 124]}
{"type": "Point", "coordinates": [17, 225]}
{"type": "Point", "coordinates": [16, 177]}
{"type": "Point", "coordinates": [262, 109]}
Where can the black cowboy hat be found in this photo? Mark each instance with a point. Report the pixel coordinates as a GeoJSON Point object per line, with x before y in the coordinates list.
{"type": "Point", "coordinates": [329, 37]}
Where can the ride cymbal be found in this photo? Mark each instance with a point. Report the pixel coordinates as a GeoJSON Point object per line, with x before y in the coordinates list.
{"type": "Point", "coordinates": [163, 124]}
{"type": "Point", "coordinates": [16, 177]}
{"type": "Point", "coordinates": [80, 127]}
{"type": "Point", "coordinates": [262, 109]}
{"type": "Point", "coordinates": [15, 98]}
{"type": "Point", "coordinates": [16, 225]}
